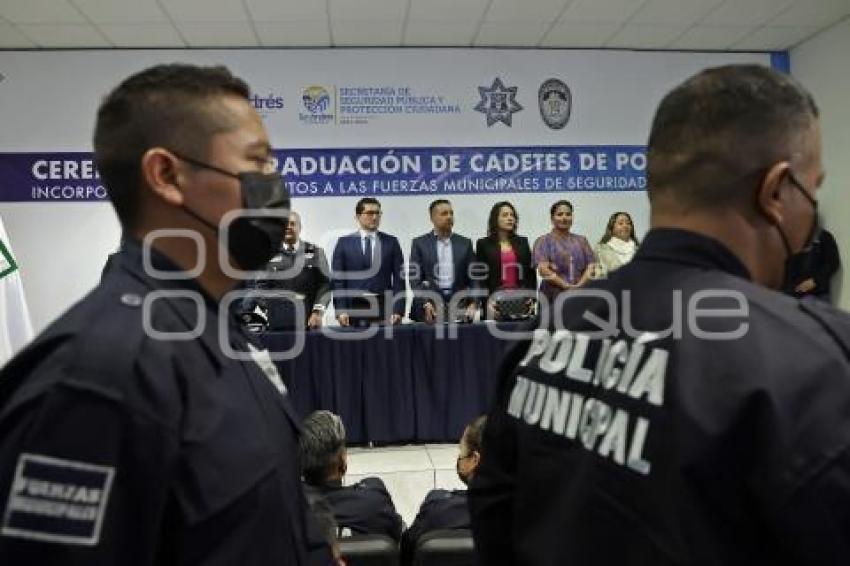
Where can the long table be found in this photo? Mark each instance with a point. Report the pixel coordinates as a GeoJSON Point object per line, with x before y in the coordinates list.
{"type": "Point", "coordinates": [415, 386]}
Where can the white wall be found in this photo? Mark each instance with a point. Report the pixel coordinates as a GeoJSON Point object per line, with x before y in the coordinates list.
{"type": "Point", "coordinates": [61, 250]}
{"type": "Point", "coordinates": [822, 64]}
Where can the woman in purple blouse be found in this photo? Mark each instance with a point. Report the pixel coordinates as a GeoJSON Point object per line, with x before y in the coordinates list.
{"type": "Point", "coordinates": [564, 260]}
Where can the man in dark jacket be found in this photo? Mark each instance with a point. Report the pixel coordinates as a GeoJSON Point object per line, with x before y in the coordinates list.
{"type": "Point", "coordinates": [361, 508]}
{"type": "Point", "coordinates": [682, 411]}
{"type": "Point", "coordinates": [440, 267]}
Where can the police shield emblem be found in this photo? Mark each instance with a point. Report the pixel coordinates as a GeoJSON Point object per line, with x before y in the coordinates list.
{"type": "Point", "coordinates": [555, 101]}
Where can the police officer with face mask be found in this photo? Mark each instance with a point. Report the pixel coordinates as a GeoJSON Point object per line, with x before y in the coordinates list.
{"type": "Point", "coordinates": [683, 411]}
{"type": "Point", "coordinates": [143, 426]}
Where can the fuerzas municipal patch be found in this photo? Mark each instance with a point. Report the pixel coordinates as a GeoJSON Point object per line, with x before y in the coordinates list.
{"type": "Point", "coordinates": [55, 500]}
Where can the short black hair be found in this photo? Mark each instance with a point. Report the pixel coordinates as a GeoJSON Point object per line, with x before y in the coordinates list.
{"type": "Point", "coordinates": [361, 204]}
{"type": "Point", "coordinates": [493, 219]}
{"type": "Point", "coordinates": [166, 106]}
{"type": "Point", "coordinates": [558, 203]}
{"type": "Point", "coordinates": [436, 203]}
{"type": "Point", "coordinates": [721, 128]}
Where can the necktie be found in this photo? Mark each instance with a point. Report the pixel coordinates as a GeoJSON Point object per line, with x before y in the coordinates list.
{"type": "Point", "coordinates": [367, 250]}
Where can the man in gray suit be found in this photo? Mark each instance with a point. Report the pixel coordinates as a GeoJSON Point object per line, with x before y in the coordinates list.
{"type": "Point", "coordinates": [440, 264]}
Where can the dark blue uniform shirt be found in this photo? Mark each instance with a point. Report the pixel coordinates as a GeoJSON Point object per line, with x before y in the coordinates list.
{"type": "Point", "coordinates": [683, 415]}
{"type": "Point", "coordinates": [364, 508]}
{"type": "Point", "coordinates": [120, 447]}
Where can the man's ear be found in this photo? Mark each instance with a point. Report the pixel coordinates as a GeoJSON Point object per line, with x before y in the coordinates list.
{"type": "Point", "coordinates": [767, 193]}
{"type": "Point", "coordinates": [476, 458]}
{"type": "Point", "coordinates": [161, 172]}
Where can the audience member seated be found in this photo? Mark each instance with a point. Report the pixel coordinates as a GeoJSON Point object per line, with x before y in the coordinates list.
{"type": "Point", "coordinates": [443, 509]}
{"type": "Point", "coordinates": [362, 508]}
{"type": "Point", "coordinates": [564, 259]}
{"type": "Point", "coordinates": [619, 244]}
{"type": "Point", "coordinates": [507, 257]}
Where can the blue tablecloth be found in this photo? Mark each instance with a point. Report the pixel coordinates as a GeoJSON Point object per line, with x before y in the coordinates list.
{"type": "Point", "coordinates": [412, 387]}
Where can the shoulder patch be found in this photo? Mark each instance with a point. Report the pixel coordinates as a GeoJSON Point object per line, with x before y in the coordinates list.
{"type": "Point", "coordinates": [58, 501]}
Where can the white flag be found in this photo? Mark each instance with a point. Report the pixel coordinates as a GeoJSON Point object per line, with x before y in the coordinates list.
{"type": "Point", "coordinates": [15, 325]}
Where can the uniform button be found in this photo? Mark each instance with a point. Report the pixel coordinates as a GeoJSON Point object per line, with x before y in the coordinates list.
{"type": "Point", "coordinates": [131, 299]}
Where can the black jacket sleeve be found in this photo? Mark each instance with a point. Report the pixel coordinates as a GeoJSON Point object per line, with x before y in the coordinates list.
{"type": "Point", "coordinates": [83, 480]}
{"type": "Point", "coordinates": [491, 492]}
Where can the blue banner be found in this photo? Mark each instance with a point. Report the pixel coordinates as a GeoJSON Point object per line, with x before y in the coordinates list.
{"type": "Point", "coordinates": [72, 177]}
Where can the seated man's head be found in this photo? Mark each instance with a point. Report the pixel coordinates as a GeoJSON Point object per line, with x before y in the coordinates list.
{"type": "Point", "coordinates": [735, 153]}
{"type": "Point", "coordinates": [182, 147]}
{"type": "Point", "coordinates": [470, 449]}
{"type": "Point", "coordinates": [323, 457]}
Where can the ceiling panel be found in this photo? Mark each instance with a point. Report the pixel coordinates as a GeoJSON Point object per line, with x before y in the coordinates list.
{"type": "Point", "coordinates": [646, 36]}
{"type": "Point", "coordinates": [751, 12]}
{"type": "Point", "coordinates": [286, 10]}
{"type": "Point", "coordinates": [708, 24]}
{"type": "Point", "coordinates": [11, 38]}
{"type": "Point", "coordinates": [671, 12]}
{"type": "Point", "coordinates": [447, 10]}
{"type": "Point", "coordinates": [515, 34]}
{"type": "Point", "coordinates": [205, 10]}
{"type": "Point", "coordinates": [525, 10]}
{"type": "Point", "coordinates": [40, 12]}
{"type": "Point", "coordinates": [424, 33]}
{"type": "Point", "coordinates": [368, 10]}
{"type": "Point", "coordinates": [601, 11]}
{"type": "Point", "coordinates": [121, 11]}
{"type": "Point", "coordinates": [580, 35]}
{"type": "Point", "coordinates": [64, 35]}
{"type": "Point", "coordinates": [775, 38]}
{"type": "Point", "coordinates": [142, 35]}
{"type": "Point", "coordinates": [366, 34]}
{"type": "Point", "coordinates": [218, 34]}
{"type": "Point", "coordinates": [710, 37]}
{"type": "Point", "coordinates": [294, 34]}
{"type": "Point", "coordinates": [812, 13]}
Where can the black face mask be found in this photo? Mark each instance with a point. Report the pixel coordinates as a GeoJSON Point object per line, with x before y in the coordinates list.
{"type": "Point", "coordinates": [253, 240]}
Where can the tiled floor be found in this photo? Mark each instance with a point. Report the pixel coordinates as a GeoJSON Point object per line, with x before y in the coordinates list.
{"type": "Point", "coordinates": [409, 472]}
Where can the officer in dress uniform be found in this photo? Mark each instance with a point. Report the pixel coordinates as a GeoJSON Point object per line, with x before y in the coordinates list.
{"type": "Point", "coordinates": [143, 426]}
{"type": "Point", "coordinates": [300, 269]}
{"type": "Point", "coordinates": [682, 411]}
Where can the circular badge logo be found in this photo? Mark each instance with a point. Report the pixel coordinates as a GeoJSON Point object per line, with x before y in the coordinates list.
{"type": "Point", "coordinates": [555, 101]}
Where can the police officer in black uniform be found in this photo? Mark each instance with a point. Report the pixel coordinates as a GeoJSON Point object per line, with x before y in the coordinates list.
{"type": "Point", "coordinates": [143, 426]}
{"type": "Point", "coordinates": [445, 509]}
{"type": "Point", "coordinates": [682, 411]}
{"type": "Point", "coordinates": [300, 269]}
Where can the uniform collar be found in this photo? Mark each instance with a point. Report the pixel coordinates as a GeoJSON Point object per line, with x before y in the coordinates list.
{"type": "Point", "coordinates": [132, 260]}
{"type": "Point", "coordinates": [686, 247]}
